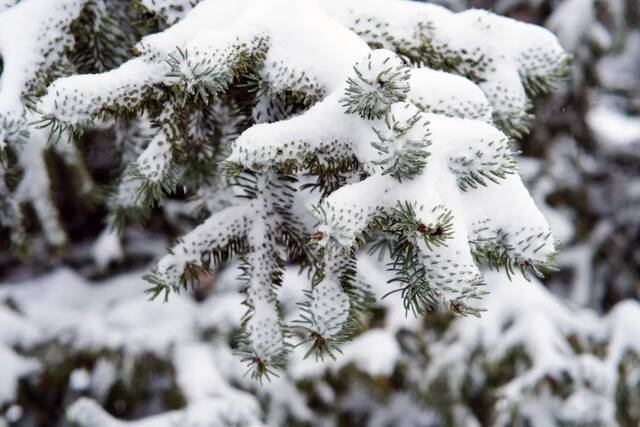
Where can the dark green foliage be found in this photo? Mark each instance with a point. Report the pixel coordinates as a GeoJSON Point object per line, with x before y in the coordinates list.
{"type": "Point", "coordinates": [193, 272]}
{"type": "Point", "coordinates": [403, 146]}
{"type": "Point", "coordinates": [104, 32]}
{"type": "Point", "coordinates": [479, 167]}
{"type": "Point", "coordinates": [375, 87]}
{"type": "Point", "coordinates": [404, 222]}
{"type": "Point", "coordinates": [499, 254]}
{"type": "Point", "coordinates": [412, 269]}
{"type": "Point", "coordinates": [410, 275]}
{"type": "Point", "coordinates": [360, 302]}
{"type": "Point", "coordinates": [258, 368]}
{"type": "Point", "coordinates": [151, 192]}
{"type": "Point", "coordinates": [516, 127]}
{"type": "Point", "coordinates": [208, 76]}
{"type": "Point", "coordinates": [536, 84]}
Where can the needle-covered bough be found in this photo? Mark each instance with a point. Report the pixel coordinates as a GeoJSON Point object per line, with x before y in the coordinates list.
{"type": "Point", "coordinates": [308, 130]}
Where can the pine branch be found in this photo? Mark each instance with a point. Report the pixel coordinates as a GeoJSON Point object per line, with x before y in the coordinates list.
{"type": "Point", "coordinates": [380, 80]}
{"type": "Point", "coordinates": [529, 252]}
{"type": "Point", "coordinates": [404, 223]}
{"type": "Point", "coordinates": [209, 76]}
{"type": "Point", "coordinates": [151, 192]}
{"type": "Point", "coordinates": [403, 144]}
{"type": "Point", "coordinates": [164, 283]}
{"type": "Point", "coordinates": [491, 162]}
{"type": "Point", "coordinates": [333, 308]}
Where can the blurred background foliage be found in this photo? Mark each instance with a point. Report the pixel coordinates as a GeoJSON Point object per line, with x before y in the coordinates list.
{"type": "Point", "coordinates": [582, 164]}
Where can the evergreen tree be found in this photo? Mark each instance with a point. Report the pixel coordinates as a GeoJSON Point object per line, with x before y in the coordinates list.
{"type": "Point", "coordinates": [374, 153]}
{"type": "Point", "coordinates": [582, 166]}
{"type": "Point", "coordinates": [229, 103]}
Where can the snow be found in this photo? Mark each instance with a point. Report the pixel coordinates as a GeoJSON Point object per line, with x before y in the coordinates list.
{"type": "Point", "coordinates": [618, 70]}
{"type": "Point", "coordinates": [443, 93]}
{"type": "Point", "coordinates": [30, 54]}
{"type": "Point", "coordinates": [613, 127]}
{"type": "Point", "coordinates": [14, 413]}
{"type": "Point", "coordinates": [455, 121]}
{"type": "Point", "coordinates": [215, 232]}
{"type": "Point", "coordinates": [102, 378]}
{"type": "Point", "coordinates": [16, 330]}
{"type": "Point", "coordinates": [512, 309]}
{"type": "Point", "coordinates": [457, 148]}
{"type": "Point", "coordinates": [570, 21]}
{"type": "Point", "coordinates": [334, 48]}
{"type": "Point", "coordinates": [34, 186]}
{"type": "Point", "coordinates": [155, 161]}
{"type": "Point", "coordinates": [14, 367]}
{"type": "Point", "coordinates": [212, 26]}
{"type": "Point", "coordinates": [107, 248]}
{"type": "Point", "coordinates": [21, 46]}
{"type": "Point", "coordinates": [80, 379]}
{"type": "Point", "coordinates": [201, 57]}
{"type": "Point", "coordinates": [358, 352]}
{"type": "Point", "coordinates": [559, 220]}
{"type": "Point", "coordinates": [66, 307]}
{"type": "Point", "coordinates": [507, 49]}
{"type": "Point", "coordinates": [115, 315]}
{"type": "Point", "coordinates": [76, 100]}
{"type": "Point", "coordinates": [87, 413]}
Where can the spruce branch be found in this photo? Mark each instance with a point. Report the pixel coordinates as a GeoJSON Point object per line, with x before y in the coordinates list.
{"type": "Point", "coordinates": [404, 223]}
{"type": "Point", "coordinates": [523, 250]}
{"type": "Point", "coordinates": [380, 80]}
{"type": "Point", "coordinates": [479, 166]}
{"type": "Point", "coordinates": [172, 277]}
{"type": "Point", "coordinates": [120, 217]}
{"type": "Point", "coordinates": [198, 79]}
{"type": "Point", "coordinates": [424, 285]}
{"type": "Point", "coordinates": [259, 368]}
{"type": "Point", "coordinates": [244, 120]}
{"type": "Point", "coordinates": [403, 144]}
{"type": "Point", "coordinates": [516, 125]}
{"type": "Point", "coordinates": [208, 76]}
{"type": "Point", "coordinates": [57, 128]}
{"type": "Point", "coordinates": [534, 66]}
{"type": "Point", "coordinates": [152, 189]}
{"type": "Point", "coordinates": [421, 280]}
{"type": "Point", "coordinates": [263, 343]}
{"type": "Point", "coordinates": [332, 310]}
{"type": "Point", "coordinates": [410, 275]}
{"type": "Point", "coordinates": [103, 33]}
{"type": "Point", "coordinates": [537, 83]}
